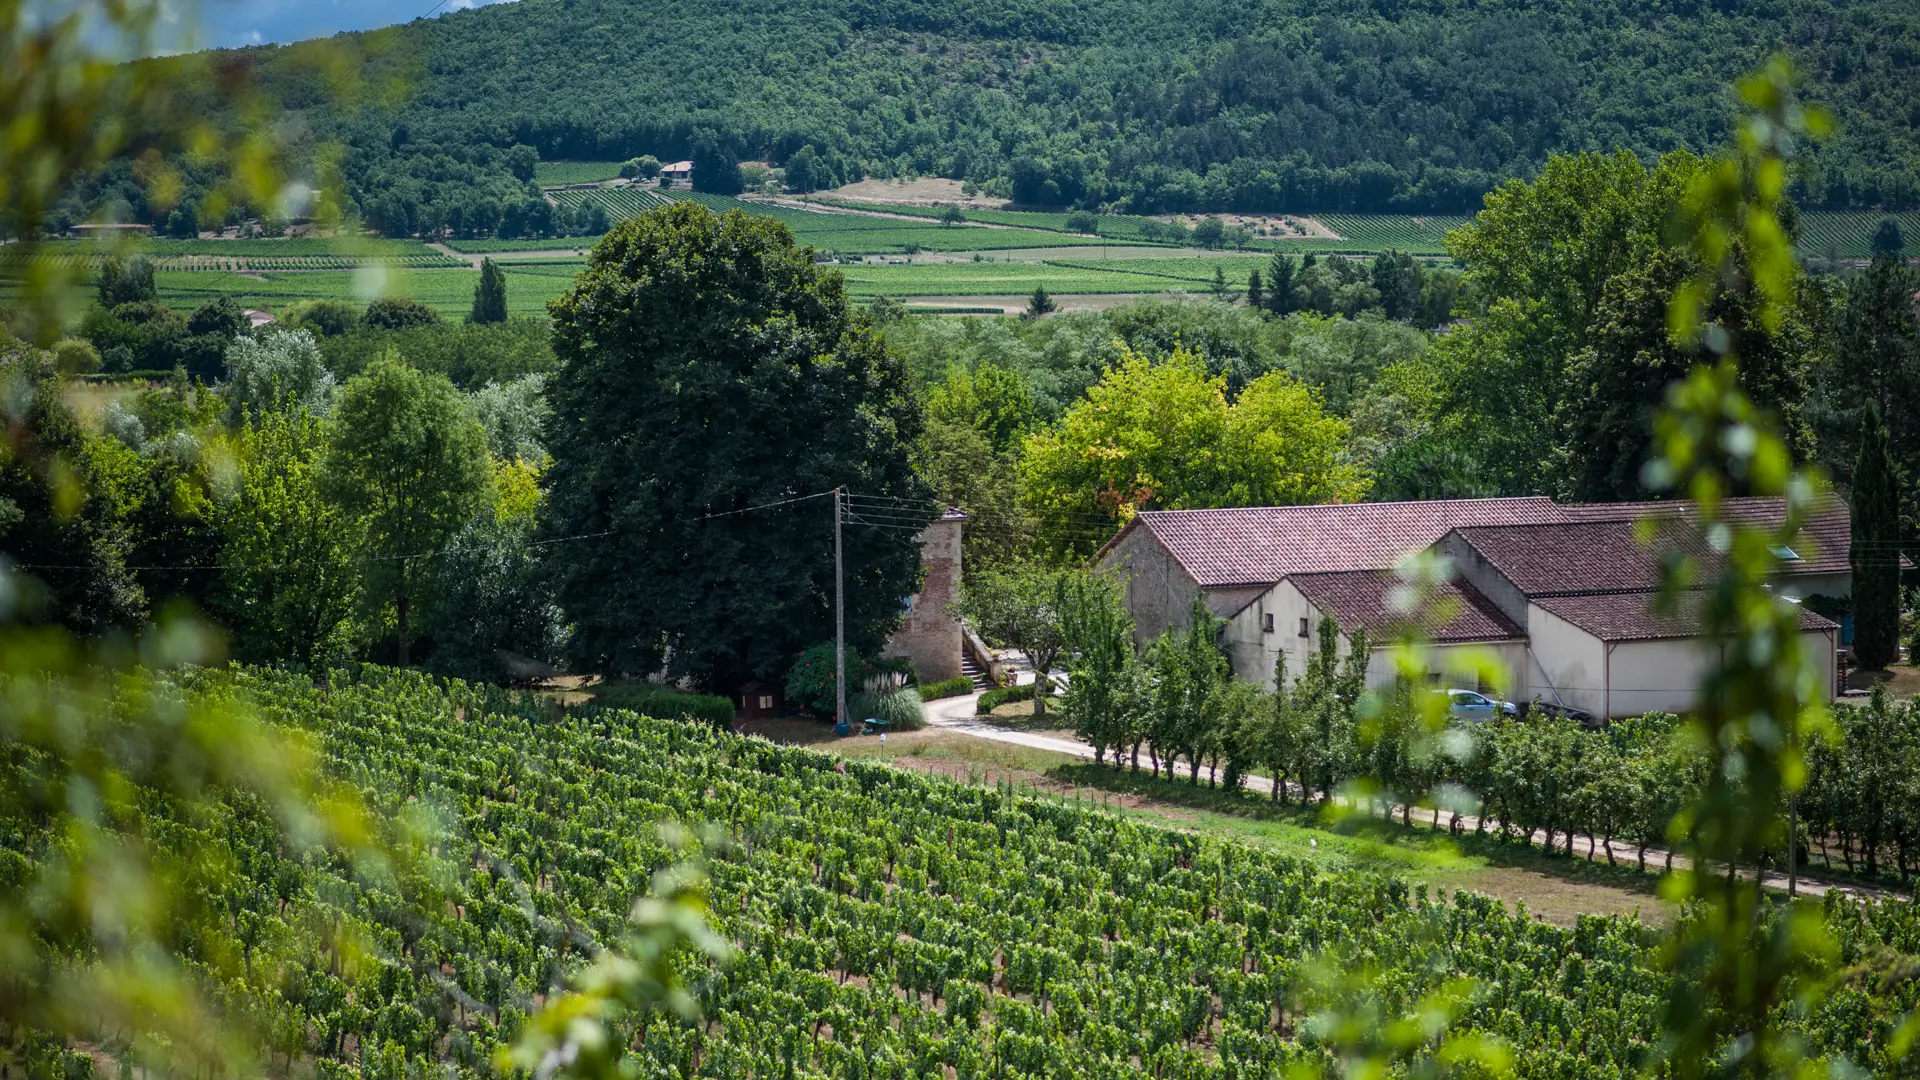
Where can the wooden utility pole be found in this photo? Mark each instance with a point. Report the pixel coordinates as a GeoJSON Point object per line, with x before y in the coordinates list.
{"type": "Point", "coordinates": [839, 615]}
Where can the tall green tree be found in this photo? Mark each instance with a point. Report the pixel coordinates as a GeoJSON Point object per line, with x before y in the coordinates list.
{"type": "Point", "coordinates": [1875, 554]}
{"type": "Point", "coordinates": [1104, 682]}
{"type": "Point", "coordinates": [289, 570]}
{"type": "Point", "coordinates": [407, 460]}
{"type": "Point", "coordinates": [711, 376]}
{"type": "Point", "coordinates": [490, 295]}
{"type": "Point", "coordinates": [60, 519]}
{"type": "Point", "coordinates": [1162, 434]}
{"type": "Point", "coordinates": [1875, 358]}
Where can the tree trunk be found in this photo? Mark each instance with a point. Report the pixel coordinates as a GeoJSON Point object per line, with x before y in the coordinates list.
{"type": "Point", "coordinates": [1136, 755]}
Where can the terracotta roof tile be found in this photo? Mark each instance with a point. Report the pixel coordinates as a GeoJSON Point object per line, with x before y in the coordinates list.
{"type": "Point", "coordinates": [1262, 544]}
{"type": "Point", "coordinates": [1573, 557]}
{"type": "Point", "coordinates": [1824, 538]}
{"type": "Point", "coordinates": [1452, 612]}
{"type": "Point", "coordinates": [1259, 545]}
{"type": "Point", "coordinates": [1634, 616]}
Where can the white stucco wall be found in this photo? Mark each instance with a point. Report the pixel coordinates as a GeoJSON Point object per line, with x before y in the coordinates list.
{"type": "Point", "coordinates": [1253, 651]}
{"type": "Point", "coordinates": [1801, 586]}
{"type": "Point", "coordinates": [1567, 665]}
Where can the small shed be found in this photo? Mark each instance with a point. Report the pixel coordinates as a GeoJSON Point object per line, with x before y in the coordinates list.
{"type": "Point", "coordinates": [759, 701]}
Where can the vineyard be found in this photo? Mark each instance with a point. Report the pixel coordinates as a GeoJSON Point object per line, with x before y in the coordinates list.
{"type": "Point", "coordinates": [1824, 234]}
{"type": "Point", "coordinates": [1397, 232]}
{"type": "Point", "coordinates": [575, 172]}
{"type": "Point", "coordinates": [888, 924]}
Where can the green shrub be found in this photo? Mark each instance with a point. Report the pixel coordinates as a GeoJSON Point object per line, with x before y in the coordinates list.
{"type": "Point", "coordinates": [953, 687]}
{"type": "Point", "coordinates": [809, 682]}
{"type": "Point", "coordinates": [889, 699]}
{"type": "Point", "coordinates": [666, 703]}
{"type": "Point", "coordinates": [993, 699]}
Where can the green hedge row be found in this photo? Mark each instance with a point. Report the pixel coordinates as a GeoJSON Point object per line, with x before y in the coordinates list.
{"type": "Point", "coordinates": [953, 687]}
{"type": "Point", "coordinates": [663, 703]}
{"type": "Point", "coordinates": [993, 699]}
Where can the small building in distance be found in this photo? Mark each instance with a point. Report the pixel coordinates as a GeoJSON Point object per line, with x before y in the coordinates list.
{"type": "Point", "coordinates": [930, 635]}
{"type": "Point", "coordinates": [677, 170]}
{"type": "Point", "coordinates": [1565, 597]}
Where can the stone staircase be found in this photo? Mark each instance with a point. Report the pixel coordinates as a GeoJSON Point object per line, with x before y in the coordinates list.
{"type": "Point", "coordinates": [973, 673]}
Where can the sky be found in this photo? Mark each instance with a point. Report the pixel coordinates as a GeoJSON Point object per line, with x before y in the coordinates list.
{"type": "Point", "coordinates": [232, 23]}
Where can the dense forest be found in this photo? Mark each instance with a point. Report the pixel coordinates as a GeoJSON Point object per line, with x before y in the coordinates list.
{"type": "Point", "coordinates": [1327, 105]}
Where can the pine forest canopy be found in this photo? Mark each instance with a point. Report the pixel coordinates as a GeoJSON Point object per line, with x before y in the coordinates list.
{"type": "Point", "coordinates": [1308, 105]}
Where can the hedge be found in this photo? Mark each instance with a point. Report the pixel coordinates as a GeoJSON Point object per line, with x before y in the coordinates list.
{"type": "Point", "coordinates": [663, 703]}
{"type": "Point", "coordinates": [993, 699]}
{"type": "Point", "coordinates": [953, 687]}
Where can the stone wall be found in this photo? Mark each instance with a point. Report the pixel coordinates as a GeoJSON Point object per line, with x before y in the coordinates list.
{"type": "Point", "coordinates": [929, 635]}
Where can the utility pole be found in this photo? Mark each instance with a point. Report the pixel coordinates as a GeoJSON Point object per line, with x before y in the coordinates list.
{"type": "Point", "coordinates": [1793, 846]}
{"type": "Point", "coordinates": [839, 616]}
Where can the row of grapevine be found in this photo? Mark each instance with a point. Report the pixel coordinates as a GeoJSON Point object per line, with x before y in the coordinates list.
{"type": "Point", "coordinates": [889, 924]}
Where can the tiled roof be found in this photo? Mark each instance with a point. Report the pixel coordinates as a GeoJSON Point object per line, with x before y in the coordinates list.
{"type": "Point", "coordinates": [1633, 616]}
{"type": "Point", "coordinates": [1363, 598]}
{"type": "Point", "coordinates": [1260, 545]}
{"type": "Point", "coordinates": [1567, 558]}
{"type": "Point", "coordinates": [1824, 537]}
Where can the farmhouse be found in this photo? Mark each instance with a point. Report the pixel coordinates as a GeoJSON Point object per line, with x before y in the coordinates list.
{"type": "Point", "coordinates": [1565, 597]}
{"type": "Point", "coordinates": [677, 170]}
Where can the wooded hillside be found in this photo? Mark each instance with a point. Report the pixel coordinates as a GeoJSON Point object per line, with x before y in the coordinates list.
{"type": "Point", "coordinates": [1213, 104]}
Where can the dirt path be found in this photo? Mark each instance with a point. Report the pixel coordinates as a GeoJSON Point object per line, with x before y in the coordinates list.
{"type": "Point", "coordinates": [957, 715]}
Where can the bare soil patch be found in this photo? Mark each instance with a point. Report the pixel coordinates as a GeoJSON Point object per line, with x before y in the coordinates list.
{"type": "Point", "coordinates": [922, 191]}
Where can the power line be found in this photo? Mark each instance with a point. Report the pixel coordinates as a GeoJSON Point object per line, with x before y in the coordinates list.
{"type": "Point", "coordinates": [370, 559]}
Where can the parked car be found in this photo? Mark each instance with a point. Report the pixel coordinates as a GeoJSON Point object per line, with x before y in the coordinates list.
{"type": "Point", "coordinates": [1473, 707]}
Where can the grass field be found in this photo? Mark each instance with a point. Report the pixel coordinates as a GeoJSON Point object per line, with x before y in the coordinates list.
{"type": "Point", "coordinates": [576, 172]}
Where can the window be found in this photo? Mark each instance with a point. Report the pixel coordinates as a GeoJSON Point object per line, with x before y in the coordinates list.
{"type": "Point", "coordinates": [1266, 622]}
{"type": "Point", "coordinates": [1784, 553]}
{"type": "Point", "coordinates": [1303, 627]}
{"type": "Point", "coordinates": [766, 701]}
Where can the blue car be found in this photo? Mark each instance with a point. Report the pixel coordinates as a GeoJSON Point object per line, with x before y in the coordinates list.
{"type": "Point", "coordinates": [1473, 707]}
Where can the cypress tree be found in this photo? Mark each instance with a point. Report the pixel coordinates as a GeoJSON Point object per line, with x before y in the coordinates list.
{"type": "Point", "coordinates": [490, 296]}
{"type": "Point", "coordinates": [1875, 554]}
{"type": "Point", "coordinates": [1256, 296]}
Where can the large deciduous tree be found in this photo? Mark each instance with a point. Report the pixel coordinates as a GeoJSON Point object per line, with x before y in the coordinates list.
{"type": "Point", "coordinates": [712, 380]}
{"type": "Point", "coordinates": [290, 580]}
{"type": "Point", "coordinates": [1568, 276]}
{"type": "Point", "coordinates": [1876, 548]}
{"type": "Point", "coordinates": [408, 461]}
{"type": "Point", "coordinates": [1163, 434]}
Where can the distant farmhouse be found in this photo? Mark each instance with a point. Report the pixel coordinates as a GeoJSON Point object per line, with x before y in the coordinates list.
{"type": "Point", "coordinates": [677, 170]}
{"type": "Point", "coordinates": [1565, 595]}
